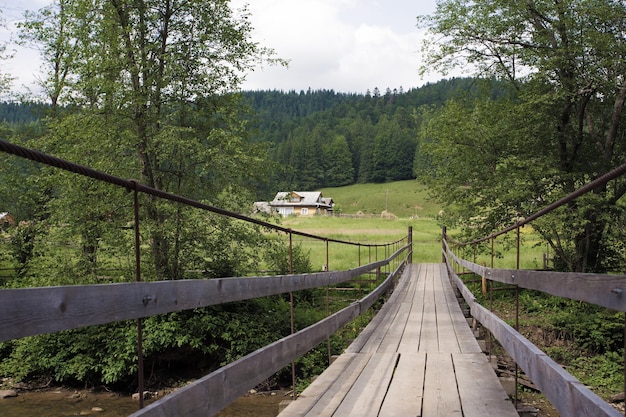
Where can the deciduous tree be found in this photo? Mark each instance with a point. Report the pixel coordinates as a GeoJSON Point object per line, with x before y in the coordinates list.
{"type": "Point", "coordinates": [566, 60]}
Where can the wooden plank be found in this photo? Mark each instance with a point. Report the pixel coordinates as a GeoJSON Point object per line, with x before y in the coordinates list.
{"type": "Point", "coordinates": [410, 283]}
{"type": "Point", "coordinates": [480, 391]}
{"type": "Point", "coordinates": [405, 395]}
{"type": "Point", "coordinates": [370, 338]}
{"type": "Point", "coordinates": [411, 338]}
{"type": "Point", "coordinates": [464, 335]}
{"type": "Point", "coordinates": [428, 338]}
{"type": "Point", "coordinates": [323, 384]}
{"type": "Point", "coordinates": [368, 392]}
{"type": "Point", "coordinates": [601, 289]}
{"type": "Point", "coordinates": [32, 311]}
{"type": "Point", "coordinates": [446, 335]}
{"type": "Point", "coordinates": [376, 336]}
{"type": "Point", "coordinates": [369, 300]}
{"type": "Point", "coordinates": [440, 396]}
{"type": "Point", "coordinates": [392, 337]}
{"type": "Point", "coordinates": [331, 400]}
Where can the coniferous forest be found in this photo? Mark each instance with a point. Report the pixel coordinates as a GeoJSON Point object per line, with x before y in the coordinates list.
{"type": "Point", "coordinates": [324, 138]}
{"type": "Point", "coordinates": [329, 139]}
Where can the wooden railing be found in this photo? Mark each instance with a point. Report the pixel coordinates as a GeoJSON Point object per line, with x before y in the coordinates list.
{"type": "Point", "coordinates": [568, 395]}
{"type": "Point", "coordinates": [34, 311]}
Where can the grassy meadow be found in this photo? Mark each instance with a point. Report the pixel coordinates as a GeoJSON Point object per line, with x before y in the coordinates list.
{"type": "Point", "coordinates": [404, 199]}
{"type": "Point", "coordinates": [409, 202]}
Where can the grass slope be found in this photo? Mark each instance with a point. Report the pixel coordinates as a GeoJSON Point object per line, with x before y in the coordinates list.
{"type": "Point", "coordinates": [402, 198]}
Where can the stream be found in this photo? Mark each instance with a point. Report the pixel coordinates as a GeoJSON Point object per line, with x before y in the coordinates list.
{"type": "Point", "coordinates": [63, 403]}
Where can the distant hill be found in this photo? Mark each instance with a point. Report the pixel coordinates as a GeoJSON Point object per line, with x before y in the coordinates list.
{"type": "Point", "coordinates": [403, 199]}
{"type": "Point", "coordinates": [327, 139]}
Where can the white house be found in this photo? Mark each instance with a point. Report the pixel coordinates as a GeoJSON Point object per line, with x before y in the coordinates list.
{"type": "Point", "coordinates": [301, 203]}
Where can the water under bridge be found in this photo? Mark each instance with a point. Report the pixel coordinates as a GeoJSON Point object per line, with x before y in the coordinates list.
{"type": "Point", "coordinates": [417, 357]}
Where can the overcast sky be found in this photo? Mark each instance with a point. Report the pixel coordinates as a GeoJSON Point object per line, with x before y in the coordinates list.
{"type": "Point", "coordinates": [345, 45]}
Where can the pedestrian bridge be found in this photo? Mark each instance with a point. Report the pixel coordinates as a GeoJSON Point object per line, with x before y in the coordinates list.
{"type": "Point", "coordinates": [417, 357]}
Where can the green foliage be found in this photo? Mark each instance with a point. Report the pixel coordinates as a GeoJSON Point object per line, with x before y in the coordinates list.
{"type": "Point", "coordinates": [603, 372]}
{"type": "Point", "coordinates": [404, 199]}
{"type": "Point", "coordinates": [496, 158]}
{"type": "Point", "coordinates": [280, 262]}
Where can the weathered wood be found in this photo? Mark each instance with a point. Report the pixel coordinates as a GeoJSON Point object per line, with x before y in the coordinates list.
{"type": "Point", "coordinates": [429, 341]}
{"type": "Point", "coordinates": [422, 384]}
{"type": "Point", "coordinates": [365, 342]}
{"type": "Point", "coordinates": [479, 389]}
{"type": "Point", "coordinates": [366, 395]}
{"type": "Point", "coordinates": [565, 393]}
{"type": "Point", "coordinates": [446, 335]}
{"type": "Point", "coordinates": [331, 400]}
{"type": "Point", "coordinates": [208, 395]}
{"type": "Point", "coordinates": [412, 332]}
{"type": "Point", "coordinates": [343, 367]}
{"type": "Point", "coordinates": [32, 311]}
{"type": "Point", "coordinates": [394, 334]}
{"type": "Point", "coordinates": [601, 289]}
{"type": "Point", "coordinates": [440, 397]}
{"type": "Point", "coordinates": [465, 337]}
{"type": "Point", "coordinates": [405, 395]}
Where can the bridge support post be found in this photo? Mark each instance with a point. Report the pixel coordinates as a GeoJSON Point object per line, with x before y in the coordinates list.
{"type": "Point", "coordinates": [410, 243]}
{"type": "Point", "coordinates": [444, 237]}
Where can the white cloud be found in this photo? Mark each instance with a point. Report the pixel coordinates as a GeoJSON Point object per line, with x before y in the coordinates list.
{"type": "Point", "coordinates": [344, 45]}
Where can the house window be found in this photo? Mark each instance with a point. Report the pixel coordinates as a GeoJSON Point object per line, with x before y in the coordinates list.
{"type": "Point", "coordinates": [304, 211]}
{"type": "Point", "coordinates": [285, 211]}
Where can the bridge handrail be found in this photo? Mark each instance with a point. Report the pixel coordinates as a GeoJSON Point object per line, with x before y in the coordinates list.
{"type": "Point", "coordinates": [235, 379]}
{"type": "Point", "coordinates": [53, 161]}
{"type": "Point", "coordinates": [569, 396]}
{"type": "Point", "coordinates": [33, 311]}
{"type": "Point", "coordinates": [600, 289]}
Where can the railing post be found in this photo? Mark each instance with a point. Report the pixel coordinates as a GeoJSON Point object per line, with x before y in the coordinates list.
{"type": "Point", "coordinates": [410, 245]}
{"type": "Point", "coordinates": [444, 239]}
{"type": "Point", "coordinates": [328, 299]}
{"type": "Point", "coordinates": [293, 330]}
{"type": "Point", "coordinates": [517, 265]}
{"type": "Point", "coordinates": [140, 370]}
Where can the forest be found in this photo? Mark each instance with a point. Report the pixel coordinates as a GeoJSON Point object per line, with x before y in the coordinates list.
{"type": "Point", "coordinates": [326, 139]}
{"type": "Point", "coordinates": [318, 139]}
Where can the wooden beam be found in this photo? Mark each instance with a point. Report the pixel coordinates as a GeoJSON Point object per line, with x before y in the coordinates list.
{"type": "Point", "coordinates": [600, 289]}
{"type": "Point", "coordinates": [32, 311]}
{"type": "Point", "coordinates": [570, 397]}
{"type": "Point", "coordinates": [210, 394]}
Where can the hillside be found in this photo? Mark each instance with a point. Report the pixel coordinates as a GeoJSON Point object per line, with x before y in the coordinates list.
{"type": "Point", "coordinates": [402, 198]}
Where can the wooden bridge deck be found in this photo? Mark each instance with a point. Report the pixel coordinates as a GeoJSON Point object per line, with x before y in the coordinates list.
{"type": "Point", "coordinates": [418, 357]}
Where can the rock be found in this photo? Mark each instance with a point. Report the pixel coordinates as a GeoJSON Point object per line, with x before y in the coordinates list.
{"type": "Point", "coordinates": [97, 409]}
{"type": "Point", "coordinates": [527, 411]}
{"type": "Point", "coordinates": [617, 398]}
{"type": "Point", "coordinates": [146, 395]}
{"type": "Point", "coordinates": [8, 393]}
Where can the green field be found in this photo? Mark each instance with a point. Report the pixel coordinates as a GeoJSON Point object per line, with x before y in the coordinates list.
{"type": "Point", "coordinates": [404, 199]}
{"type": "Point", "coordinates": [409, 201]}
